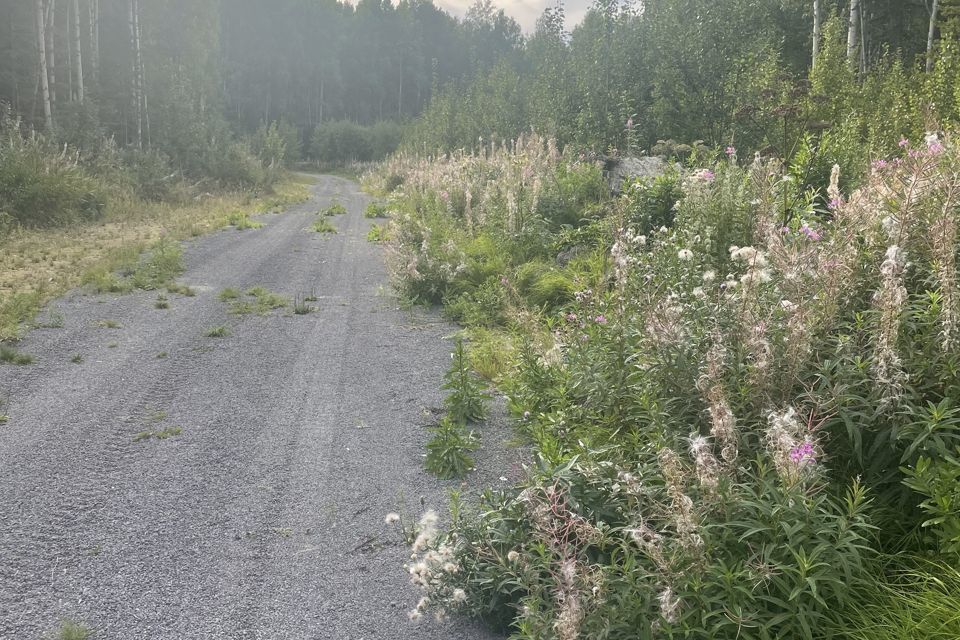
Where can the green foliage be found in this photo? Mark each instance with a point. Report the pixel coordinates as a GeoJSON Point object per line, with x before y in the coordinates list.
{"type": "Point", "coordinates": [378, 233]}
{"type": "Point", "coordinates": [9, 355]}
{"type": "Point", "coordinates": [242, 221]}
{"type": "Point", "coordinates": [920, 600]}
{"type": "Point", "coordinates": [70, 630]}
{"type": "Point", "coordinates": [341, 142]}
{"type": "Point", "coordinates": [466, 401]}
{"type": "Point", "coordinates": [220, 331]}
{"type": "Point", "coordinates": [335, 209]}
{"type": "Point", "coordinates": [376, 210]}
{"type": "Point", "coordinates": [448, 451]}
{"type": "Point", "coordinates": [322, 225]}
{"type": "Point", "coordinates": [257, 300]}
{"type": "Point", "coordinates": [653, 202]}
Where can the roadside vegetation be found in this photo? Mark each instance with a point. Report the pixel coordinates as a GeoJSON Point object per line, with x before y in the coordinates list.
{"type": "Point", "coordinates": [737, 375]}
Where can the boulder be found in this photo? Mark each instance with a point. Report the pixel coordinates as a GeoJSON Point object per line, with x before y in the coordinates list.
{"type": "Point", "coordinates": [620, 169]}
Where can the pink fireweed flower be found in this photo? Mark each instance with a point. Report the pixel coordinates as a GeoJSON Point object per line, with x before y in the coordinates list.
{"type": "Point", "coordinates": [731, 151]}
{"type": "Point", "coordinates": [600, 319]}
{"type": "Point", "coordinates": [629, 123]}
{"type": "Point", "coordinates": [904, 143]}
{"type": "Point", "coordinates": [803, 453]}
{"type": "Point", "coordinates": [813, 234]}
{"type": "Point", "coordinates": [834, 204]}
{"type": "Point", "coordinates": [880, 164]}
{"type": "Point", "coordinates": [706, 175]}
{"type": "Point", "coordinates": [571, 317]}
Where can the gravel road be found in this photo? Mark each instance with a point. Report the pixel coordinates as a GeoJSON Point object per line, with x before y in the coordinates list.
{"type": "Point", "coordinates": [264, 517]}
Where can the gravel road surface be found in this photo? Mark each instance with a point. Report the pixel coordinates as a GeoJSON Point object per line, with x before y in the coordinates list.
{"type": "Point", "coordinates": [263, 517]}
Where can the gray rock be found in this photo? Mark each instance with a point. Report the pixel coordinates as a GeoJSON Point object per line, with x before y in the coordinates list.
{"type": "Point", "coordinates": [629, 168]}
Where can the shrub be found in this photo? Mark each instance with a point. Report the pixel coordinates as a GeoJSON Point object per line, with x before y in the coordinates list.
{"type": "Point", "coordinates": [448, 451]}
{"type": "Point", "coordinates": [465, 402]}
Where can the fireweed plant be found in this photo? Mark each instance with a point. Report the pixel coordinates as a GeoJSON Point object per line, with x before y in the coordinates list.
{"type": "Point", "coordinates": [736, 416]}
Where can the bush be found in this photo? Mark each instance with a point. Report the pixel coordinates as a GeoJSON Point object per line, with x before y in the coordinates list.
{"type": "Point", "coordinates": [41, 186]}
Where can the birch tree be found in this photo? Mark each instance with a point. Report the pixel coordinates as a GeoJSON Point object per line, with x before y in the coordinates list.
{"type": "Point", "coordinates": [817, 30]}
{"type": "Point", "coordinates": [930, 32]}
{"type": "Point", "coordinates": [42, 54]}
{"type": "Point", "coordinates": [77, 54]}
{"type": "Point", "coordinates": [853, 34]}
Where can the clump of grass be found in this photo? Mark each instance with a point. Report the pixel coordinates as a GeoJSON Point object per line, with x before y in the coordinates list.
{"type": "Point", "coordinates": [70, 630]}
{"type": "Point", "coordinates": [241, 221]}
{"type": "Point", "coordinates": [108, 324]}
{"type": "Point", "coordinates": [161, 355]}
{"type": "Point", "coordinates": [112, 345]}
{"type": "Point", "coordinates": [378, 233]}
{"type": "Point", "coordinates": [448, 452]}
{"type": "Point", "coordinates": [263, 302]}
{"type": "Point", "coordinates": [77, 359]}
{"type": "Point", "coordinates": [163, 264]}
{"type": "Point", "coordinates": [323, 226]}
{"type": "Point", "coordinates": [4, 419]}
{"type": "Point", "coordinates": [221, 331]}
{"type": "Point", "coordinates": [335, 209]}
{"type": "Point", "coordinates": [162, 302]}
{"type": "Point", "coordinates": [229, 294]}
{"type": "Point", "coordinates": [16, 311]}
{"type": "Point", "coordinates": [53, 321]}
{"type": "Point", "coordinates": [182, 289]}
{"type": "Point", "coordinates": [301, 307]}
{"type": "Point", "coordinates": [375, 210]}
{"type": "Point", "coordinates": [9, 355]}
{"type": "Point", "coordinates": [491, 353]}
{"type": "Point", "coordinates": [311, 297]}
{"type": "Point", "coordinates": [163, 434]}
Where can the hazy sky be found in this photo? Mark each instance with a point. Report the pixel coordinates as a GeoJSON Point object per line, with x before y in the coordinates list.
{"type": "Point", "coordinates": [525, 12]}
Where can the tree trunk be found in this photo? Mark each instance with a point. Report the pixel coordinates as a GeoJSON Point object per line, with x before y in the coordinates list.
{"type": "Point", "coordinates": [930, 33]}
{"type": "Point", "coordinates": [853, 34]}
{"type": "Point", "coordinates": [817, 30]}
{"type": "Point", "coordinates": [93, 8]}
{"type": "Point", "coordinates": [136, 86]}
{"type": "Point", "coordinates": [77, 55]}
{"type": "Point", "coordinates": [44, 78]}
{"type": "Point", "coordinates": [52, 50]}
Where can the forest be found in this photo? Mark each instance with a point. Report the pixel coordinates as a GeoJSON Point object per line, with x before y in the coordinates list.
{"type": "Point", "coordinates": [701, 256]}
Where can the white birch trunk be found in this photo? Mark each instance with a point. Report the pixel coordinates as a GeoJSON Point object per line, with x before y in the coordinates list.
{"type": "Point", "coordinates": [930, 33]}
{"type": "Point", "coordinates": [853, 34]}
{"type": "Point", "coordinates": [52, 50]}
{"type": "Point", "coordinates": [42, 53]}
{"type": "Point", "coordinates": [77, 54]}
{"type": "Point", "coordinates": [817, 30]}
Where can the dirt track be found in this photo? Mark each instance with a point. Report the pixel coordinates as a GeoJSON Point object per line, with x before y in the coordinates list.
{"type": "Point", "coordinates": [263, 518]}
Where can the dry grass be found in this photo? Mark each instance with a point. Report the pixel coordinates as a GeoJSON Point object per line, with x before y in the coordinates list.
{"type": "Point", "coordinates": [38, 265]}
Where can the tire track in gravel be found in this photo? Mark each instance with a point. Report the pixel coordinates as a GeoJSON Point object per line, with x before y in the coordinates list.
{"type": "Point", "coordinates": [264, 518]}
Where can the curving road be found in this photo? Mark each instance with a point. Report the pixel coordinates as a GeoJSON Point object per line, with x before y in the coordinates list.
{"type": "Point", "coordinates": [263, 518]}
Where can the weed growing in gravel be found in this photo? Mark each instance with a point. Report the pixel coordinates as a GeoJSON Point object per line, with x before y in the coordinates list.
{"type": "Point", "coordinates": [335, 209]}
{"type": "Point", "coordinates": [375, 210]}
{"type": "Point", "coordinates": [108, 324]}
{"type": "Point", "coordinates": [182, 289]}
{"type": "Point", "coordinates": [53, 321]}
{"type": "Point", "coordinates": [162, 302]}
{"type": "Point", "coordinates": [312, 297]}
{"type": "Point", "coordinates": [220, 331]}
{"type": "Point", "coordinates": [448, 451]}
{"type": "Point", "coordinates": [77, 359]}
{"type": "Point", "coordinates": [161, 355]}
{"type": "Point", "coordinates": [112, 345]}
{"type": "Point", "coordinates": [9, 355]}
{"type": "Point", "coordinates": [378, 233]}
{"type": "Point", "coordinates": [241, 221]}
{"type": "Point", "coordinates": [70, 630]}
{"type": "Point", "coordinates": [322, 226]}
{"type": "Point", "coordinates": [263, 302]}
{"type": "Point", "coordinates": [465, 403]}
{"type": "Point", "coordinates": [229, 294]}
{"type": "Point", "coordinates": [163, 434]}
{"type": "Point", "coordinates": [4, 419]}
{"type": "Point", "coordinates": [300, 306]}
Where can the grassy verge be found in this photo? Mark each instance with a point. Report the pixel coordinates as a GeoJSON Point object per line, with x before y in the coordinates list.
{"type": "Point", "coordinates": [39, 265]}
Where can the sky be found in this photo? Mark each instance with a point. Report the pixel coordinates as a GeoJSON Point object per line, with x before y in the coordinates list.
{"type": "Point", "coordinates": [525, 12]}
